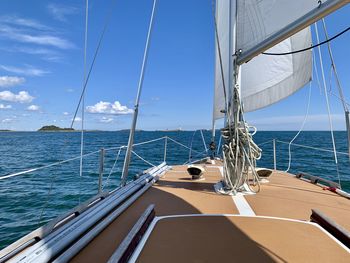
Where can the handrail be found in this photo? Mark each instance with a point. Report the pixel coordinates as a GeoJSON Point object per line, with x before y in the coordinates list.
{"type": "Point", "coordinates": [46, 166]}
{"type": "Point", "coordinates": [311, 147]}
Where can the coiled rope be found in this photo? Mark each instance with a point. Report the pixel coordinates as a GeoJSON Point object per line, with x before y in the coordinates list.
{"type": "Point", "coordinates": [240, 154]}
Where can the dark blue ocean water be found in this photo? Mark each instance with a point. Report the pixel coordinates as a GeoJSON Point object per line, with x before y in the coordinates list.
{"type": "Point", "coordinates": [28, 201]}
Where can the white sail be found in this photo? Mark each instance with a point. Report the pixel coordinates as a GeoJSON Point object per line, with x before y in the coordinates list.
{"type": "Point", "coordinates": [269, 79]}
{"type": "Point", "coordinates": [259, 19]}
{"type": "Point", "coordinates": [225, 11]}
{"type": "Point", "coordinates": [264, 79]}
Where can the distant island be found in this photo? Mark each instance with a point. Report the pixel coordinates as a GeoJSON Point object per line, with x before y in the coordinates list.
{"type": "Point", "coordinates": [53, 128]}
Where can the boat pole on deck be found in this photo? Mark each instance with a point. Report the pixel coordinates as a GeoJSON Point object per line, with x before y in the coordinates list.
{"type": "Point", "coordinates": [274, 154]}
{"type": "Point", "coordinates": [136, 108]}
{"type": "Point", "coordinates": [101, 168]}
{"type": "Point", "coordinates": [165, 147]}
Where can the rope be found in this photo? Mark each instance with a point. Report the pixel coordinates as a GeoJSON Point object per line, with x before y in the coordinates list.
{"type": "Point", "coordinates": [308, 48]}
{"type": "Point", "coordinates": [179, 143]}
{"type": "Point", "coordinates": [340, 90]}
{"type": "Point", "coordinates": [30, 170]}
{"type": "Point", "coordinates": [264, 142]}
{"type": "Point", "coordinates": [151, 164]}
{"type": "Point", "coordinates": [311, 147]}
{"type": "Point", "coordinates": [328, 107]}
{"type": "Point", "coordinates": [135, 144]}
{"type": "Point", "coordinates": [240, 153]}
{"type": "Point", "coordinates": [45, 166]}
{"type": "Point", "coordinates": [197, 155]}
{"type": "Point", "coordinates": [219, 144]}
{"type": "Point", "coordinates": [83, 100]}
{"type": "Point", "coordinates": [205, 145]}
{"type": "Point", "coordinates": [111, 171]}
{"type": "Point", "coordinates": [108, 18]}
{"type": "Point", "coordinates": [301, 128]}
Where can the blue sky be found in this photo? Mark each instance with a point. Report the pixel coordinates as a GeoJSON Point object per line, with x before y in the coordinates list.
{"type": "Point", "coordinates": [41, 67]}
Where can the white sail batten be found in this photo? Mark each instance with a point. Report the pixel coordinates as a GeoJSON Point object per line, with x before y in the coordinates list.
{"type": "Point", "coordinates": [269, 79]}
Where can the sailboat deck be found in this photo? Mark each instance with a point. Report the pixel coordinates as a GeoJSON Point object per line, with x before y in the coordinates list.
{"type": "Point", "coordinates": [175, 194]}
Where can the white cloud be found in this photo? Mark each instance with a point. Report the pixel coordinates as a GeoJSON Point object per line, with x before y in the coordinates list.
{"type": "Point", "coordinates": [7, 120]}
{"type": "Point", "coordinates": [106, 120]}
{"type": "Point", "coordinates": [5, 107]}
{"type": "Point", "coordinates": [40, 38]}
{"type": "Point", "coordinates": [33, 107]}
{"type": "Point", "coordinates": [25, 22]}
{"type": "Point", "coordinates": [77, 119]}
{"type": "Point", "coordinates": [65, 113]}
{"type": "Point", "coordinates": [109, 108]}
{"type": "Point", "coordinates": [7, 81]}
{"type": "Point", "coordinates": [28, 70]}
{"type": "Point", "coordinates": [61, 12]}
{"type": "Point", "coordinates": [70, 90]}
{"type": "Point", "coordinates": [46, 54]}
{"type": "Point", "coordinates": [22, 96]}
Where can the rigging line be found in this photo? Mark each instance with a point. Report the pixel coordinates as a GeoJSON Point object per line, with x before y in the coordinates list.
{"type": "Point", "coordinates": [111, 171]}
{"type": "Point", "coordinates": [313, 148]}
{"type": "Point", "coordinates": [301, 128]}
{"type": "Point", "coordinates": [328, 107]}
{"type": "Point", "coordinates": [45, 166]}
{"type": "Point", "coordinates": [259, 144]}
{"type": "Point", "coordinates": [319, 83]}
{"type": "Point", "coordinates": [83, 99]}
{"type": "Point", "coordinates": [151, 164]}
{"type": "Point", "coordinates": [340, 89]}
{"type": "Point", "coordinates": [183, 145]}
{"type": "Point", "coordinates": [316, 71]}
{"type": "Point", "coordinates": [219, 144]}
{"type": "Point", "coordinates": [205, 146]}
{"type": "Point", "coordinates": [94, 59]}
{"type": "Point", "coordinates": [308, 48]}
{"type": "Point", "coordinates": [335, 95]}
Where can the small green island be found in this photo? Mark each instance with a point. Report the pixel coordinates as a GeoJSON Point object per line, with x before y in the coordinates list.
{"type": "Point", "coordinates": [53, 128]}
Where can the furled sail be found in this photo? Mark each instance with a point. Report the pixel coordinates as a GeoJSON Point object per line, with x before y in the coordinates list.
{"type": "Point", "coordinates": [265, 79]}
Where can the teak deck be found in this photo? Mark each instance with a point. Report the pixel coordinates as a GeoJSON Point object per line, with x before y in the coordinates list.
{"type": "Point", "coordinates": [215, 230]}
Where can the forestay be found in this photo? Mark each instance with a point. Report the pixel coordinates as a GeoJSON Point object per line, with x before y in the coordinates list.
{"type": "Point", "coordinates": [264, 79]}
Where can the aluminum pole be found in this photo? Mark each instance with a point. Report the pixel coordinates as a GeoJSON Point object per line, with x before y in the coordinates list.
{"type": "Point", "coordinates": [136, 109]}
{"type": "Point", "coordinates": [301, 23]}
{"type": "Point", "coordinates": [101, 168]}
{"type": "Point", "coordinates": [274, 155]}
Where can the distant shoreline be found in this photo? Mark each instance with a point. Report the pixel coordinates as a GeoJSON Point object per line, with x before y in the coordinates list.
{"type": "Point", "coordinates": [123, 130]}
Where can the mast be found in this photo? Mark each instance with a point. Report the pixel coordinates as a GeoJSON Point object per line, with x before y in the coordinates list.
{"type": "Point", "coordinates": [138, 95]}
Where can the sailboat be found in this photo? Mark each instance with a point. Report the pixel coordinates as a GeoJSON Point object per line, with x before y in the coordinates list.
{"type": "Point", "coordinates": [230, 211]}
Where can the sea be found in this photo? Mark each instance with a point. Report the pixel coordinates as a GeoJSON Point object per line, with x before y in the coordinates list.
{"type": "Point", "coordinates": [30, 200]}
